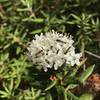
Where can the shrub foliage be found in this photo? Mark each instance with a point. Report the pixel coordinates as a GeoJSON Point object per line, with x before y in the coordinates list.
{"type": "Point", "coordinates": [20, 20]}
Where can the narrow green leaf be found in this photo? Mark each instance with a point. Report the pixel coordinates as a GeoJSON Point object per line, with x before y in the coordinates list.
{"type": "Point", "coordinates": [11, 85]}
{"type": "Point", "coordinates": [37, 94]}
{"type": "Point", "coordinates": [3, 1]}
{"type": "Point", "coordinates": [42, 98]}
{"type": "Point", "coordinates": [3, 93]}
{"type": "Point", "coordinates": [72, 96]}
{"type": "Point", "coordinates": [70, 22]}
{"type": "Point", "coordinates": [86, 97]}
{"type": "Point", "coordinates": [60, 90]}
{"type": "Point", "coordinates": [36, 31]}
{"type": "Point", "coordinates": [48, 96]}
{"type": "Point", "coordinates": [65, 95]}
{"type": "Point", "coordinates": [86, 74]}
{"type": "Point", "coordinates": [38, 20]}
{"type": "Point", "coordinates": [75, 70]}
{"type": "Point", "coordinates": [18, 50]}
{"type": "Point", "coordinates": [71, 86]}
{"type": "Point", "coordinates": [5, 87]}
{"type": "Point", "coordinates": [17, 82]}
{"type": "Point", "coordinates": [24, 9]}
{"type": "Point", "coordinates": [76, 17]}
{"type": "Point", "coordinates": [53, 83]}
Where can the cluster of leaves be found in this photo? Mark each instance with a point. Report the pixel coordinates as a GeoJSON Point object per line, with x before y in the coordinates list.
{"type": "Point", "coordinates": [19, 22]}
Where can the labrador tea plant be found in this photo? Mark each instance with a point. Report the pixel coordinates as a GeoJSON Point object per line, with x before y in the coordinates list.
{"type": "Point", "coordinates": [38, 64]}
{"type": "Point", "coordinates": [54, 53]}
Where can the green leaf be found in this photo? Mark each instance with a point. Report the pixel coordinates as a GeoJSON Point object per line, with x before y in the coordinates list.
{"type": "Point", "coordinates": [71, 96]}
{"type": "Point", "coordinates": [6, 88]}
{"type": "Point", "coordinates": [3, 94]}
{"type": "Point", "coordinates": [3, 1]}
{"type": "Point", "coordinates": [11, 85]}
{"type": "Point", "coordinates": [86, 97]}
{"type": "Point", "coordinates": [37, 94]}
{"type": "Point", "coordinates": [65, 95]}
{"type": "Point", "coordinates": [60, 90]}
{"type": "Point", "coordinates": [48, 96]}
{"type": "Point", "coordinates": [62, 94]}
{"type": "Point", "coordinates": [36, 31]}
{"type": "Point", "coordinates": [70, 22]}
{"type": "Point", "coordinates": [86, 74]}
{"type": "Point", "coordinates": [18, 50]}
{"type": "Point", "coordinates": [38, 20]}
{"type": "Point", "coordinates": [76, 17]}
{"type": "Point", "coordinates": [75, 70]}
{"type": "Point", "coordinates": [17, 82]}
{"type": "Point", "coordinates": [52, 84]}
{"type": "Point", "coordinates": [42, 98]}
{"type": "Point", "coordinates": [71, 86]}
{"type": "Point", "coordinates": [24, 9]}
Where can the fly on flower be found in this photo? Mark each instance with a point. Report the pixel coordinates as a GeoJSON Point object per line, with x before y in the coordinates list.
{"type": "Point", "coordinates": [52, 50]}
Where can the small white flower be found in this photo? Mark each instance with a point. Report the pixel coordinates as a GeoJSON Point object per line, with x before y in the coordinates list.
{"type": "Point", "coordinates": [52, 50]}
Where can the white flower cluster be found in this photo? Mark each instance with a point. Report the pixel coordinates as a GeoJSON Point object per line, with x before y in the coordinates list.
{"type": "Point", "coordinates": [53, 50]}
